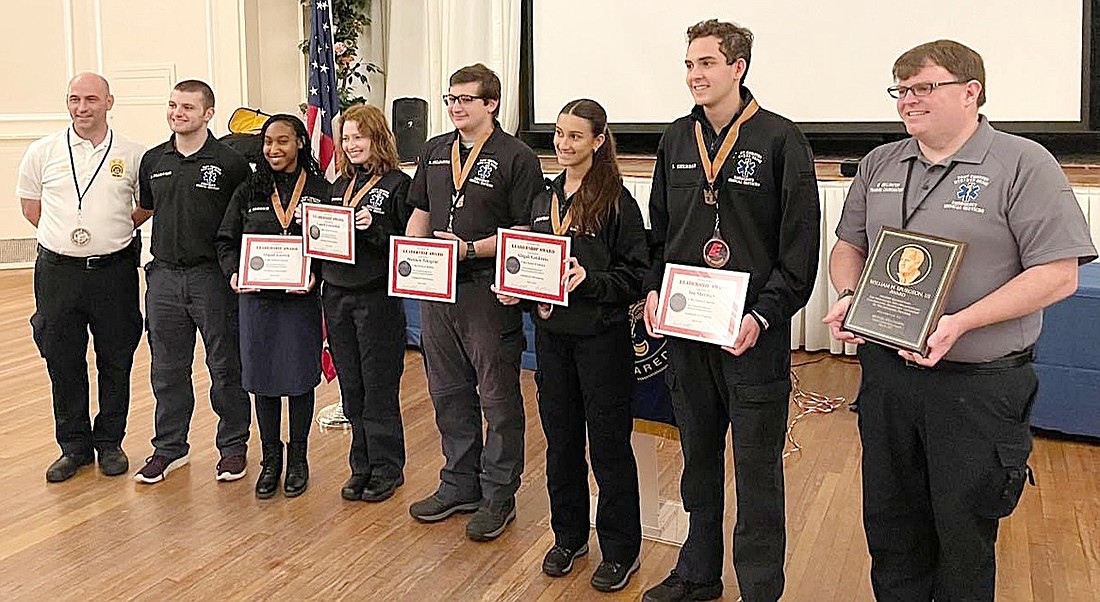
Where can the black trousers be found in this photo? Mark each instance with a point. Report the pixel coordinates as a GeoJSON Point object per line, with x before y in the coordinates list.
{"type": "Point", "coordinates": [72, 298]}
{"type": "Point", "coordinates": [586, 383]}
{"type": "Point", "coordinates": [713, 391]}
{"type": "Point", "coordinates": [179, 301]}
{"type": "Point", "coordinates": [944, 457]}
{"type": "Point", "coordinates": [366, 334]}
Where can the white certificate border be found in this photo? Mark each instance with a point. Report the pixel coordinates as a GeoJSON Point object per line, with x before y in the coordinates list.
{"type": "Point", "coordinates": [564, 241]}
{"type": "Point", "coordinates": [243, 269]}
{"type": "Point", "coordinates": [742, 280]}
{"type": "Point", "coordinates": [452, 284]}
{"type": "Point", "coordinates": [309, 208]}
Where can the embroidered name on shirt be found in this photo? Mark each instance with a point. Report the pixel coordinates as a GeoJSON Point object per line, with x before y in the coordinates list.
{"type": "Point", "coordinates": [160, 174]}
{"type": "Point", "coordinates": [542, 218]}
{"type": "Point", "coordinates": [259, 208]}
{"type": "Point", "coordinates": [887, 187]}
{"type": "Point", "coordinates": [439, 162]}
{"type": "Point", "coordinates": [685, 166]}
{"type": "Point", "coordinates": [968, 187]}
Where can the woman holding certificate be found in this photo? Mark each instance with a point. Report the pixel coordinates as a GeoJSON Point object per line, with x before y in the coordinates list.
{"type": "Point", "coordinates": [366, 327]}
{"type": "Point", "coordinates": [280, 328]}
{"type": "Point", "coordinates": [585, 355]}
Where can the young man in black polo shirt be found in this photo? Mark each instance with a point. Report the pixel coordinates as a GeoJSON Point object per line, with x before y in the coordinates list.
{"type": "Point", "coordinates": [733, 188]}
{"type": "Point", "coordinates": [471, 182]}
{"type": "Point", "coordinates": [187, 183]}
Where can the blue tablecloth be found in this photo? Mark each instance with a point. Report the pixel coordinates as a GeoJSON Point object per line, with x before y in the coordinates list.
{"type": "Point", "coordinates": [1067, 360]}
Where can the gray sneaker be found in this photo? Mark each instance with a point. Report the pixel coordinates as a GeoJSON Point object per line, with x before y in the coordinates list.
{"type": "Point", "coordinates": [490, 519]}
{"type": "Point", "coordinates": [434, 508]}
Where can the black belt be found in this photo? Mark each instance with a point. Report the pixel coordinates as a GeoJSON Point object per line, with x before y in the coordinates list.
{"type": "Point", "coordinates": [1003, 364]}
{"type": "Point", "coordinates": [88, 263]}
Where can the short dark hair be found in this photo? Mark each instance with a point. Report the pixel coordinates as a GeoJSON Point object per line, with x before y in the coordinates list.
{"type": "Point", "coordinates": [486, 78]}
{"type": "Point", "coordinates": [734, 41]}
{"type": "Point", "coordinates": [194, 85]}
{"type": "Point", "coordinates": [960, 60]}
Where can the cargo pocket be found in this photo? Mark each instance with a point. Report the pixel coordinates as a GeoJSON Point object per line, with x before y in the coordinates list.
{"type": "Point", "coordinates": [1002, 491]}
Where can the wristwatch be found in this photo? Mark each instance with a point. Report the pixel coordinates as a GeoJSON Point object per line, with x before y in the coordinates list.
{"type": "Point", "coordinates": [471, 251]}
{"type": "Point", "coordinates": [845, 293]}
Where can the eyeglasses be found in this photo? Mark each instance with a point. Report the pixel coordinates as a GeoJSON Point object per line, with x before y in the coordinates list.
{"type": "Point", "coordinates": [461, 99]}
{"type": "Point", "coordinates": [923, 89]}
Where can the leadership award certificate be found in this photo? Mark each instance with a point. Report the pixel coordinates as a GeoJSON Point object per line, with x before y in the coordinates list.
{"type": "Point", "coordinates": [530, 265]}
{"type": "Point", "coordinates": [272, 262]}
{"type": "Point", "coordinates": [702, 304]}
{"type": "Point", "coordinates": [328, 232]}
{"type": "Point", "coordinates": [423, 268]}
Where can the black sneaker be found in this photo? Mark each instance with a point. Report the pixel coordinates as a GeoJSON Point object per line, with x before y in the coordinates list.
{"type": "Point", "coordinates": [381, 488]}
{"type": "Point", "coordinates": [158, 466]}
{"type": "Point", "coordinates": [434, 508]}
{"type": "Point", "coordinates": [113, 461]}
{"type": "Point", "coordinates": [231, 468]}
{"type": "Point", "coordinates": [65, 467]}
{"type": "Point", "coordinates": [674, 589]}
{"type": "Point", "coordinates": [490, 519]}
{"type": "Point", "coordinates": [613, 576]}
{"type": "Point", "coordinates": [559, 560]}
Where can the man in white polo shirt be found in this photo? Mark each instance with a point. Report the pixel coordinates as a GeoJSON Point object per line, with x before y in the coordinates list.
{"type": "Point", "coordinates": [79, 188]}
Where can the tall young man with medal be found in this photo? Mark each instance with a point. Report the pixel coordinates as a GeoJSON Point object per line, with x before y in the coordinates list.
{"type": "Point", "coordinates": [79, 188]}
{"type": "Point", "coordinates": [734, 189]}
{"type": "Point", "coordinates": [471, 182]}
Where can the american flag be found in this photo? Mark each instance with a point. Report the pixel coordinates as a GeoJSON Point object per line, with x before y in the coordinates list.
{"type": "Point", "coordinates": [324, 101]}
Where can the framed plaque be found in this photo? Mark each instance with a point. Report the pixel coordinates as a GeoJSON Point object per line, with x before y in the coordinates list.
{"type": "Point", "coordinates": [328, 232]}
{"type": "Point", "coordinates": [423, 268]}
{"type": "Point", "coordinates": [272, 262]}
{"type": "Point", "coordinates": [903, 288]}
{"type": "Point", "coordinates": [701, 304]}
{"type": "Point", "coordinates": [530, 265]}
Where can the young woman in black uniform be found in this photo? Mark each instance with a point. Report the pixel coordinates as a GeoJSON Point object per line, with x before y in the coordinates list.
{"type": "Point", "coordinates": [280, 330]}
{"type": "Point", "coordinates": [585, 357]}
{"type": "Point", "coordinates": [366, 327]}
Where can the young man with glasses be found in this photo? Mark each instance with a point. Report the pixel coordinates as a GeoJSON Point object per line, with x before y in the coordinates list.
{"type": "Point", "coordinates": [945, 437]}
{"type": "Point", "coordinates": [469, 183]}
{"type": "Point", "coordinates": [733, 188]}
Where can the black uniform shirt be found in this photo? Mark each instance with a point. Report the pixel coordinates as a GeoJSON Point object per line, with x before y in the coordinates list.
{"type": "Point", "coordinates": [615, 260]}
{"type": "Point", "coordinates": [389, 216]}
{"type": "Point", "coordinates": [188, 197]}
{"type": "Point", "coordinates": [252, 213]}
{"type": "Point", "coordinates": [497, 194]}
{"type": "Point", "coordinates": [768, 201]}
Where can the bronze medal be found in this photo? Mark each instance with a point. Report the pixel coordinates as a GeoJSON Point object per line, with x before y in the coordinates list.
{"type": "Point", "coordinates": [709, 197]}
{"type": "Point", "coordinates": [716, 252]}
{"type": "Point", "coordinates": [285, 216]}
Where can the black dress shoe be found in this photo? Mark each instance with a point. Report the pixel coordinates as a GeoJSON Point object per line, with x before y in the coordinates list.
{"type": "Point", "coordinates": [65, 467]}
{"type": "Point", "coordinates": [353, 488]}
{"type": "Point", "coordinates": [113, 461]}
{"type": "Point", "coordinates": [382, 488]}
{"type": "Point", "coordinates": [674, 589]}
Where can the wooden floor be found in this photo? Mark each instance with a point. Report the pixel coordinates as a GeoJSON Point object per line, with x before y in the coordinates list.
{"type": "Point", "coordinates": [191, 538]}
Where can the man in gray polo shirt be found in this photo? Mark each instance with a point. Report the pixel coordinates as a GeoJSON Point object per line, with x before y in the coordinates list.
{"type": "Point", "coordinates": [945, 437]}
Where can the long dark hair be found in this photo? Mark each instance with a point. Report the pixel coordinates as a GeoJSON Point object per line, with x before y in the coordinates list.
{"type": "Point", "coordinates": [264, 178]}
{"type": "Point", "coordinates": [602, 186]}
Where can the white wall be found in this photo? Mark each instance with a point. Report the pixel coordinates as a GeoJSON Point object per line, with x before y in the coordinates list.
{"type": "Point", "coordinates": [246, 49]}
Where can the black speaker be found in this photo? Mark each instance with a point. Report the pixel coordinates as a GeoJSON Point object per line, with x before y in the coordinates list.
{"type": "Point", "coordinates": [410, 127]}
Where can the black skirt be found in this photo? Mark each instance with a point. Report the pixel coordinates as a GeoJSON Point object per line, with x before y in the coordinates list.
{"type": "Point", "coordinates": [280, 343]}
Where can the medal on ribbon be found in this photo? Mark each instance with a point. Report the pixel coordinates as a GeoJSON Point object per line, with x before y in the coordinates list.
{"type": "Point", "coordinates": [460, 173]}
{"type": "Point", "coordinates": [716, 251]}
{"type": "Point", "coordinates": [287, 214]}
